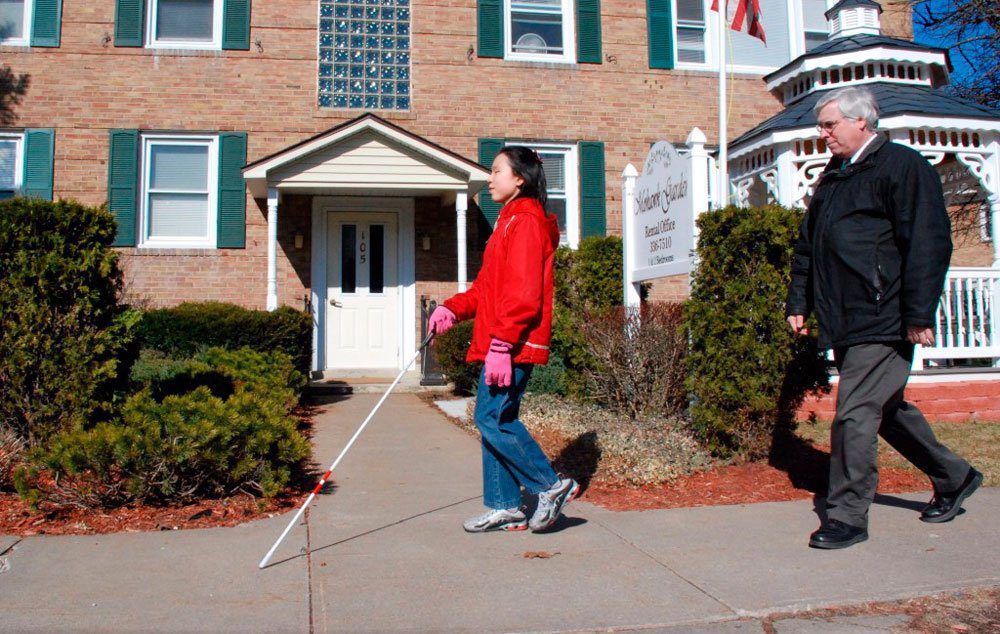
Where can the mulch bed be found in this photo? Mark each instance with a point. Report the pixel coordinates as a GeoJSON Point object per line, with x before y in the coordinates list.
{"type": "Point", "coordinates": [797, 471]}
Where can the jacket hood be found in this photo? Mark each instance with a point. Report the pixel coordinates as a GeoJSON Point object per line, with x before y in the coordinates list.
{"type": "Point", "coordinates": [534, 207]}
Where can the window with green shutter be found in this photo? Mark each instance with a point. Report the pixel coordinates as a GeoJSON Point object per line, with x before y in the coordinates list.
{"type": "Point", "coordinates": [46, 22]}
{"type": "Point", "coordinates": [593, 220]}
{"type": "Point", "coordinates": [488, 150]}
{"type": "Point", "coordinates": [123, 166]}
{"type": "Point", "coordinates": [231, 232]}
{"type": "Point", "coordinates": [490, 17]}
{"type": "Point", "coordinates": [588, 31]}
{"type": "Point", "coordinates": [187, 24]}
{"type": "Point", "coordinates": [39, 150]}
{"type": "Point", "coordinates": [660, 23]}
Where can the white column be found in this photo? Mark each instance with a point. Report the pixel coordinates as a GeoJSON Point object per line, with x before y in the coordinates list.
{"type": "Point", "coordinates": [991, 183]}
{"type": "Point", "coordinates": [723, 22]}
{"type": "Point", "coordinates": [272, 248]}
{"type": "Point", "coordinates": [786, 177]}
{"type": "Point", "coordinates": [699, 182]}
{"type": "Point", "coordinates": [461, 222]}
{"type": "Point", "coordinates": [631, 296]}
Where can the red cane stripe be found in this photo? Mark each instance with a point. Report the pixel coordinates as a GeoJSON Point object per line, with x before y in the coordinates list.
{"type": "Point", "coordinates": [322, 481]}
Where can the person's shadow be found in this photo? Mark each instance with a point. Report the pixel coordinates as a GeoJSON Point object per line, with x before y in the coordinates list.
{"type": "Point", "coordinates": [808, 468]}
{"type": "Point", "coordinates": [578, 460]}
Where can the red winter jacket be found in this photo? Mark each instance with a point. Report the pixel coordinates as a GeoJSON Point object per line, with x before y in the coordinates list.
{"type": "Point", "coordinates": [511, 298]}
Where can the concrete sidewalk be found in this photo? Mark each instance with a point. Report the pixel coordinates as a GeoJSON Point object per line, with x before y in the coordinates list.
{"type": "Point", "coordinates": [386, 552]}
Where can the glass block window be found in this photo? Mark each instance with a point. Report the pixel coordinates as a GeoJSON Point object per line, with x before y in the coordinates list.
{"type": "Point", "coordinates": [9, 172]}
{"type": "Point", "coordinates": [364, 54]}
{"type": "Point", "coordinates": [14, 17]}
{"type": "Point", "coordinates": [179, 184]}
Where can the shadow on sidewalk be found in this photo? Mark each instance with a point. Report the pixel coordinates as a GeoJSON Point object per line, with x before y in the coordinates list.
{"type": "Point", "coordinates": [807, 467]}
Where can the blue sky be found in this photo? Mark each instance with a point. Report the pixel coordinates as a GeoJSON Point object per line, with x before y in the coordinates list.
{"type": "Point", "coordinates": [922, 37]}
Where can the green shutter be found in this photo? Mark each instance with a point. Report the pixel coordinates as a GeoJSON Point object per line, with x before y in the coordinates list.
{"type": "Point", "coordinates": [588, 31]}
{"type": "Point", "coordinates": [661, 33]}
{"type": "Point", "coordinates": [592, 202]}
{"type": "Point", "coordinates": [490, 15]}
{"type": "Point", "coordinates": [236, 25]}
{"type": "Point", "coordinates": [123, 174]}
{"type": "Point", "coordinates": [129, 22]}
{"type": "Point", "coordinates": [488, 150]}
{"type": "Point", "coordinates": [45, 23]}
{"type": "Point", "coordinates": [231, 232]}
{"type": "Point", "coordinates": [39, 145]}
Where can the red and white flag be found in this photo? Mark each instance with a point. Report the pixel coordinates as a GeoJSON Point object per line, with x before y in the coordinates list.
{"type": "Point", "coordinates": [745, 16]}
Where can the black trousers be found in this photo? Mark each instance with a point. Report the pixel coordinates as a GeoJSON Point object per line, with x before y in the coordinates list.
{"type": "Point", "coordinates": [870, 404]}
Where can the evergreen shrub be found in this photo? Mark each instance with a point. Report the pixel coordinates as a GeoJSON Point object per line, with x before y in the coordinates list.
{"type": "Point", "coordinates": [549, 378]}
{"type": "Point", "coordinates": [185, 329]}
{"type": "Point", "coordinates": [587, 280]}
{"type": "Point", "coordinates": [450, 348]}
{"type": "Point", "coordinates": [186, 446]}
{"type": "Point", "coordinates": [65, 340]}
{"type": "Point", "coordinates": [748, 372]}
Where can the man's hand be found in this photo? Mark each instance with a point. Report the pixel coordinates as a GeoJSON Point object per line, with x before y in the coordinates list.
{"type": "Point", "coordinates": [923, 336]}
{"type": "Point", "coordinates": [798, 324]}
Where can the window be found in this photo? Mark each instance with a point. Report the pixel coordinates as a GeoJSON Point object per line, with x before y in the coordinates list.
{"type": "Point", "coordinates": [691, 30]}
{"type": "Point", "coordinates": [15, 21]}
{"type": "Point", "coordinates": [185, 23]}
{"type": "Point", "coordinates": [793, 27]}
{"type": "Point", "coordinates": [560, 165]}
{"type": "Point", "coordinates": [539, 30]}
{"type": "Point", "coordinates": [179, 185]}
{"type": "Point", "coordinates": [10, 165]}
{"type": "Point", "coordinates": [815, 27]}
{"type": "Point", "coordinates": [364, 54]}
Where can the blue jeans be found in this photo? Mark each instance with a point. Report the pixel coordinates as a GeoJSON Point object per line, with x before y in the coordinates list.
{"type": "Point", "coordinates": [511, 457]}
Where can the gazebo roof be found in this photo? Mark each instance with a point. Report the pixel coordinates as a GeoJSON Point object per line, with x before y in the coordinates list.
{"type": "Point", "coordinates": [893, 99]}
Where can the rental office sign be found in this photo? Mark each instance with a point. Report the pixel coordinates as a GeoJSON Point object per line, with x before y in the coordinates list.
{"type": "Point", "coordinates": [658, 217]}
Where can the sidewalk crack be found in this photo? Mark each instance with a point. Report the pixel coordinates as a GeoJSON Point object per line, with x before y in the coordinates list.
{"type": "Point", "coordinates": [309, 572]}
{"type": "Point", "coordinates": [736, 611]}
{"type": "Point", "coordinates": [11, 547]}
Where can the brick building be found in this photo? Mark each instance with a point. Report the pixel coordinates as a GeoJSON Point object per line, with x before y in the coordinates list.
{"type": "Point", "coordinates": [358, 128]}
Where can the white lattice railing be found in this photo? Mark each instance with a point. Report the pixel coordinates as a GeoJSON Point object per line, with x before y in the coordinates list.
{"type": "Point", "coordinates": [968, 317]}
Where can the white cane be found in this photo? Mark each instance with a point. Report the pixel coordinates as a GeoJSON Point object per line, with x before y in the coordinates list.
{"type": "Point", "coordinates": [326, 476]}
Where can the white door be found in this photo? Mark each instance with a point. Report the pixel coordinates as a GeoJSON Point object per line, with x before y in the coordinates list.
{"type": "Point", "coordinates": [362, 308]}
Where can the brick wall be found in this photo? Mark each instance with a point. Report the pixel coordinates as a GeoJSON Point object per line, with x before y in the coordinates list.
{"type": "Point", "coordinates": [954, 402]}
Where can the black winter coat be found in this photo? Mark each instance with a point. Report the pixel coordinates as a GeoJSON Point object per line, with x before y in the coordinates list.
{"type": "Point", "coordinates": [873, 249]}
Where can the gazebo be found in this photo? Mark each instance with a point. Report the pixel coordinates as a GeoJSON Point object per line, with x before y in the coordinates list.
{"type": "Point", "coordinates": [780, 159]}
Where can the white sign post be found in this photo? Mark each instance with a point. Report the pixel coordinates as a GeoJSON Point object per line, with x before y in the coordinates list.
{"type": "Point", "coordinates": [658, 218]}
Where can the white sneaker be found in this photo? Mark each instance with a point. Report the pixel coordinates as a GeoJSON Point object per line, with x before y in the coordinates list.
{"type": "Point", "coordinates": [551, 503]}
{"type": "Point", "coordinates": [497, 520]}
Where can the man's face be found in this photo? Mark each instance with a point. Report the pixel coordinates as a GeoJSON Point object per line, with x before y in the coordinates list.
{"type": "Point", "coordinates": [843, 136]}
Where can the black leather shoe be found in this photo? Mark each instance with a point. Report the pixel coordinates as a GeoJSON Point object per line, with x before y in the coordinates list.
{"type": "Point", "coordinates": [836, 534]}
{"type": "Point", "coordinates": [944, 507]}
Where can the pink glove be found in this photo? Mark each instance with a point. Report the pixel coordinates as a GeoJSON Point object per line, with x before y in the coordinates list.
{"type": "Point", "coordinates": [441, 320]}
{"type": "Point", "coordinates": [498, 367]}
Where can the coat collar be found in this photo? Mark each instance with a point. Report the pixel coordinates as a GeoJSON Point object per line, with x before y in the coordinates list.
{"type": "Point", "coordinates": [840, 168]}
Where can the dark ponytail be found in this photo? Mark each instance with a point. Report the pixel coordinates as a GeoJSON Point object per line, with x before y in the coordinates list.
{"type": "Point", "coordinates": [526, 163]}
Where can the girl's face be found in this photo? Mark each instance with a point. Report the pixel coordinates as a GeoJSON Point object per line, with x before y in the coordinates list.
{"type": "Point", "coordinates": [504, 184]}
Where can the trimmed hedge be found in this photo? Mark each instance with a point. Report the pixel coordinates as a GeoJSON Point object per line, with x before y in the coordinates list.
{"type": "Point", "coordinates": [188, 445]}
{"type": "Point", "coordinates": [183, 330]}
{"type": "Point", "coordinates": [65, 341]}
{"type": "Point", "coordinates": [748, 372]}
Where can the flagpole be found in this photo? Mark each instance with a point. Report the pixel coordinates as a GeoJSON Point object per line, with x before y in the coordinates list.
{"type": "Point", "coordinates": [723, 197]}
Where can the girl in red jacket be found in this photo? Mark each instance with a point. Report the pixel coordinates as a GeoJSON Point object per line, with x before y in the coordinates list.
{"type": "Point", "coordinates": [511, 301]}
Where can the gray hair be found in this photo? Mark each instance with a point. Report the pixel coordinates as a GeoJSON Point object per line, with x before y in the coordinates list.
{"type": "Point", "coordinates": [854, 103]}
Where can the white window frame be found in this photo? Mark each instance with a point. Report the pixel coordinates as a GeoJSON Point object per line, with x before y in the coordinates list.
{"type": "Point", "coordinates": [29, 9]}
{"type": "Point", "coordinates": [18, 139]}
{"type": "Point", "coordinates": [210, 240]}
{"type": "Point", "coordinates": [797, 46]}
{"type": "Point", "coordinates": [568, 8]}
{"type": "Point", "coordinates": [572, 176]}
{"type": "Point", "coordinates": [214, 45]}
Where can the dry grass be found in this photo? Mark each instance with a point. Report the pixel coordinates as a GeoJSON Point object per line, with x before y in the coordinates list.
{"type": "Point", "coordinates": [11, 452]}
{"type": "Point", "coordinates": [976, 441]}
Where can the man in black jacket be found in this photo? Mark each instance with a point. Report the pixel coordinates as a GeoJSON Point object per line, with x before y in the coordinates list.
{"type": "Point", "coordinates": [871, 260]}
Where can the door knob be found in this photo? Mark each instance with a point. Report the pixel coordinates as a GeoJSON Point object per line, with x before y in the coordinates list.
{"type": "Point", "coordinates": [334, 303]}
